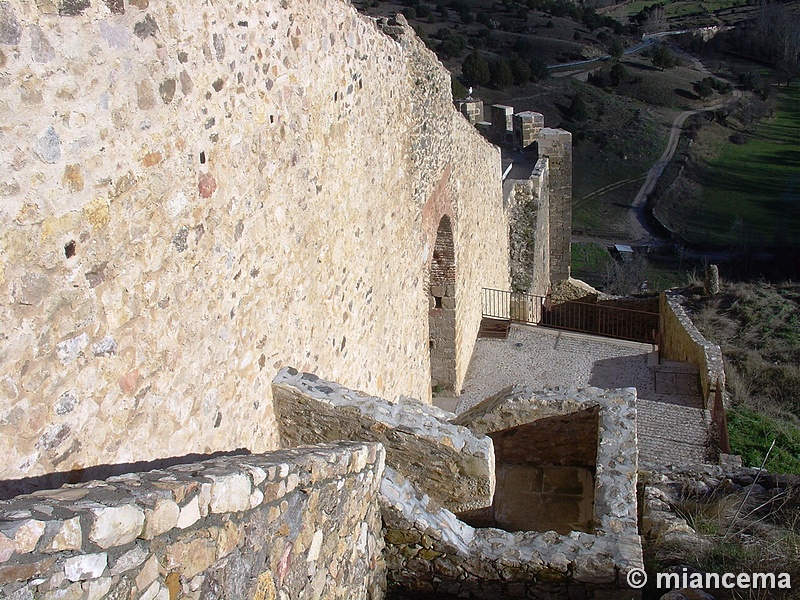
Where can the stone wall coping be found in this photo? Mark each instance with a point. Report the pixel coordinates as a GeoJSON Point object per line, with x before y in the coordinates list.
{"type": "Point", "coordinates": [449, 462]}
{"type": "Point", "coordinates": [423, 420]}
{"type": "Point", "coordinates": [94, 517]}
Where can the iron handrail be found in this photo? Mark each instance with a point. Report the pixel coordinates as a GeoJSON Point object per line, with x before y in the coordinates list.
{"type": "Point", "coordinates": [573, 315]}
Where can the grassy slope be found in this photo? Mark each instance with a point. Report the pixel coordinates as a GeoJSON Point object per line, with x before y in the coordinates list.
{"type": "Point", "coordinates": [758, 328]}
{"type": "Point", "coordinates": [745, 192]}
{"type": "Point", "coordinates": [627, 133]}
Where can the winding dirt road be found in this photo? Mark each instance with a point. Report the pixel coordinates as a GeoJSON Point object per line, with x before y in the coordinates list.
{"type": "Point", "coordinates": [640, 230]}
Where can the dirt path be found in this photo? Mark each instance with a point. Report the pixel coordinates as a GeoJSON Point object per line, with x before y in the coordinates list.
{"type": "Point", "coordinates": [639, 227]}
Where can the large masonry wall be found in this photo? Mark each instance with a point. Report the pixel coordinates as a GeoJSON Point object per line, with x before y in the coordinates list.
{"type": "Point", "coordinates": [529, 213]}
{"type": "Point", "coordinates": [196, 194]}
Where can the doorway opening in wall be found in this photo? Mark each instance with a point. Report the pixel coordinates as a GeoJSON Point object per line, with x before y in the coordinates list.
{"type": "Point", "coordinates": [545, 476]}
{"type": "Point", "coordinates": [442, 310]}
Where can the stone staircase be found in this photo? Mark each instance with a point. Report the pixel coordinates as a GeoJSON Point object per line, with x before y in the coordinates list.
{"type": "Point", "coordinates": [673, 424]}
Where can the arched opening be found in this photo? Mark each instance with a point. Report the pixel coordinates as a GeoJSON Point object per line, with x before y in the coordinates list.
{"type": "Point", "coordinates": [442, 310]}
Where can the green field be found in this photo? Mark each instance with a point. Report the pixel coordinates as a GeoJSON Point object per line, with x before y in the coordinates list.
{"type": "Point", "coordinates": [751, 192]}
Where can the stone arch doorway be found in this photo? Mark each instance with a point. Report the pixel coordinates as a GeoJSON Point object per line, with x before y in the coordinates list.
{"type": "Point", "coordinates": [442, 309]}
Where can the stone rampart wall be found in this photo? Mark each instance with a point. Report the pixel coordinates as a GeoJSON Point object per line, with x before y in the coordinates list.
{"type": "Point", "coordinates": [556, 145]}
{"type": "Point", "coordinates": [301, 523]}
{"type": "Point", "coordinates": [197, 194]}
{"type": "Point", "coordinates": [681, 341]}
{"type": "Point", "coordinates": [482, 231]}
{"type": "Point", "coordinates": [529, 213]}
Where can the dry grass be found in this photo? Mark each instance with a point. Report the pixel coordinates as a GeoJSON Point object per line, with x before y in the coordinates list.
{"type": "Point", "coordinates": [757, 325]}
{"type": "Point", "coordinates": [756, 533]}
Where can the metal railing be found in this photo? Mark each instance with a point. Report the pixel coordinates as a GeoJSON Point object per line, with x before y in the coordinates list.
{"type": "Point", "coordinates": [585, 317]}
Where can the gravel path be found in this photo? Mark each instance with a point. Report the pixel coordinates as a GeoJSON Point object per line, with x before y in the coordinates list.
{"type": "Point", "coordinates": [673, 426]}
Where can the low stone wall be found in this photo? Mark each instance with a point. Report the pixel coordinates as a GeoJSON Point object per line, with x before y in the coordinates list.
{"type": "Point", "coordinates": [446, 461]}
{"type": "Point", "coordinates": [430, 551]}
{"type": "Point", "coordinates": [300, 523]}
{"type": "Point", "coordinates": [681, 341]}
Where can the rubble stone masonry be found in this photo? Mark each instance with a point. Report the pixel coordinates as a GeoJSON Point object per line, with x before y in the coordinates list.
{"type": "Point", "coordinates": [194, 195]}
{"type": "Point", "coordinates": [301, 523]}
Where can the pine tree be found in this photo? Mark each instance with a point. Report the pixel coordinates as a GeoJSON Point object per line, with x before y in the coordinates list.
{"type": "Point", "coordinates": [475, 69]}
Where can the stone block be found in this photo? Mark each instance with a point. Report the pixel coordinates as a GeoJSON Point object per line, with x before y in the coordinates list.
{"type": "Point", "coordinates": [68, 537]}
{"type": "Point", "coordinates": [190, 514]}
{"type": "Point", "coordinates": [85, 566]}
{"type": "Point", "coordinates": [116, 525]}
{"type": "Point", "coordinates": [191, 557]}
{"type": "Point", "coordinates": [230, 493]}
{"type": "Point", "coordinates": [25, 534]}
{"type": "Point", "coordinates": [161, 518]}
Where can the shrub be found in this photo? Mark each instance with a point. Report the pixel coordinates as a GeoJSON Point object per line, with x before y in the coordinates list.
{"type": "Point", "coordinates": [577, 110]}
{"type": "Point", "coordinates": [539, 69]}
{"type": "Point", "coordinates": [662, 58]}
{"type": "Point", "coordinates": [616, 48]}
{"type": "Point", "coordinates": [739, 139]}
{"type": "Point", "coordinates": [475, 69]}
{"type": "Point", "coordinates": [618, 74]}
{"type": "Point", "coordinates": [500, 74]}
{"type": "Point", "coordinates": [702, 88]}
{"type": "Point", "coordinates": [521, 71]}
{"type": "Point", "coordinates": [458, 89]}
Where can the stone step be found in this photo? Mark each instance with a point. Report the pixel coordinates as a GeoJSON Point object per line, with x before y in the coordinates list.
{"type": "Point", "coordinates": [670, 434]}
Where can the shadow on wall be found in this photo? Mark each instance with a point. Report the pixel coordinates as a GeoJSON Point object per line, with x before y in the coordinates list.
{"type": "Point", "coordinates": [50, 481]}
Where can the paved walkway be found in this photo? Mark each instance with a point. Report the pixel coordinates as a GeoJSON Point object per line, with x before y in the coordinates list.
{"type": "Point", "coordinates": [672, 425]}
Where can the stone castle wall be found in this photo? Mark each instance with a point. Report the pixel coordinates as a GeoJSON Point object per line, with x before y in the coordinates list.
{"type": "Point", "coordinates": [556, 145]}
{"type": "Point", "coordinates": [195, 195]}
{"type": "Point", "coordinates": [300, 523]}
{"type": "Point", "coordinates": [529, 211]}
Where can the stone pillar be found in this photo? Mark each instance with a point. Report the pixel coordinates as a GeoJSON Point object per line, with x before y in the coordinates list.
{"type": "Point", "coordinates": [502, 124]}
{"type": "Point", "coordinates": [527, 125]}
{"type": "Point", "coordinates": [529, 209]}
{"type": "Point", "coordinates": [471, 108]}
{"type": "Point", "coordinates": [712, 280]}
{"type": "Point", "coordinates": [556, 145]}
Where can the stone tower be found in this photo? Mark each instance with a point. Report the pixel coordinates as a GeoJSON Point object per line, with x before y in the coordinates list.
{"type": "Point", "coordinates": [556, 145]}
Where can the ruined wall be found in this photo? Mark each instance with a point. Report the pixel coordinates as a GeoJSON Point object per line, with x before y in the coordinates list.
{"type": "Point", "coordinates": [301, 523]}
{"type": "Point", "coordinates": [196, 194]}
{"type": "Point", "coordinates": [428, 550]}
{"type": "Point", "coordinates": [446, 462]}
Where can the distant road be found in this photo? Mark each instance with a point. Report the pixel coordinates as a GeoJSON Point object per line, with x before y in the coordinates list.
{"type": "Point", "coordinates": [647, 40]}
